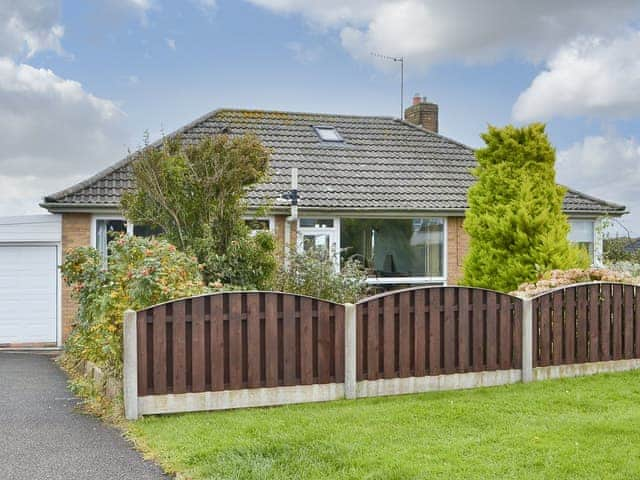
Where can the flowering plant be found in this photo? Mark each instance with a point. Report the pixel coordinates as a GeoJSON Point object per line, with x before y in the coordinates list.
{"type": "Point", "coordinates": [139, 272]}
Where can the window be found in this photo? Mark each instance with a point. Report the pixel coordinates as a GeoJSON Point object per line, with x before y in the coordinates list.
{"type": "Point", "coordinates": [582, 234]}
{"type": "Point", "coordinates": [395, 248]}
{"type": "Point", "coordinates": [328, 134]}
{"type": "Point", "coordinates": [318, 234]}
{"type": "Point", "coordinates": [316, 223]}
{"type": "Point", "coordinates": [106, 230]}
{"type": "Point", "coordinates": [146, 231]}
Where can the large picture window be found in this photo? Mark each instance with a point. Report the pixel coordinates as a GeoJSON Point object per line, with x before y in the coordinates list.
{"type": "Point", "coordinates": [395, 248]}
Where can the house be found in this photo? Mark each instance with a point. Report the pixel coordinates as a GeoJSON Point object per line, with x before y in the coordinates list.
{"type": "Point", "coordinates": [390, 192]}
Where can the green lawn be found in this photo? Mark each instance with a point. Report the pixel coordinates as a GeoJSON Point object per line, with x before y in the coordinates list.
{"type": "Point", "coordinates": [576, 428]}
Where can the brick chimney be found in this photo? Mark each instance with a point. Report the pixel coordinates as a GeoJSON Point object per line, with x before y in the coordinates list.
{"type": "Point", "coordinates": [422, 113]}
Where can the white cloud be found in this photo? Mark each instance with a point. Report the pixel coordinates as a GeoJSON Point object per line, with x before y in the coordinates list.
{"type": "Point", "coordinates": [52, 133]}
{"type": "Point", "coordinates": [171, 43]}
{"type": "Point", "coordinates": [29, 26]}
{"type": "Point", "coordinates": [590, 76]}
{"type": "Point", "coordinates": [304, 54]}
{"type": "Point", "coordinates": [428, 31]}
{"type": "Point", "coordinates": [606, 166]}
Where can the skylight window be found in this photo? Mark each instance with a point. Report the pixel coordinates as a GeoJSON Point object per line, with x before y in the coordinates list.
{"type": "Point", "coordinates": [328, 134]}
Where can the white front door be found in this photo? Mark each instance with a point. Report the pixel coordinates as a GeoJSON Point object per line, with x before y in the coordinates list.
{"type": "Point", "coordinates": [28, 294]}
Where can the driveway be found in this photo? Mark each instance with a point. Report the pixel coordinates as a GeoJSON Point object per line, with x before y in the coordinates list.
{"type": "Point", "coordinates": [43, 436]}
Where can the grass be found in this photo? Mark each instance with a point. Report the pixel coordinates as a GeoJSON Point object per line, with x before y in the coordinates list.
{"type": "Point", "coordinates": [582, 428]}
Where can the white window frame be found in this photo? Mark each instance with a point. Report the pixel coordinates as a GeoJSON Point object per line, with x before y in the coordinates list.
{"type": "Point", "coordinates": [333, 232]}
{"type": "Point", "coordinates": [422, 279]}
{"type": "Point", "coordinates": [596, 240]}
{"type": "Point", "coordinates": [94, 229]}
{"type": "Point", "coordinates": [271, 219]}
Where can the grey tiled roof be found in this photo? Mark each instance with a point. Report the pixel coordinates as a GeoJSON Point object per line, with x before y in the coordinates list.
{"type": "Point", "coordinates": [383, 164]}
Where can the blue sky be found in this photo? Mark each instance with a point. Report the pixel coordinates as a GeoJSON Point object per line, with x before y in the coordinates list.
{"type": "Point", "coordinates": [80, 82]}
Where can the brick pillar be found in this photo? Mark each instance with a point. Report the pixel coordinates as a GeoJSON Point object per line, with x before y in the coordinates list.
{"type": "Point", "coordinates": [457, 248]}
{"type": "Point", "coordinates": [76, 232]}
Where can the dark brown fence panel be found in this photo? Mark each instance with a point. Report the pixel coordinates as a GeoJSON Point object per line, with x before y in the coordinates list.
{"type": "Point", "coordinates": [239, 340]}
{"type": "Point", "coordinates": [589, 323]}
{"type": "Point", "coordinates": [437, 330]}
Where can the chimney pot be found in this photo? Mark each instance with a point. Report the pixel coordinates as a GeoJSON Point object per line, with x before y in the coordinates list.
{"type": "Point", "coordinates": [417, 99]}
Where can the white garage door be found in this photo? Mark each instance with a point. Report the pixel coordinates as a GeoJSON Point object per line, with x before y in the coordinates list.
{"type": "Point", "coordinates": [28, 294]}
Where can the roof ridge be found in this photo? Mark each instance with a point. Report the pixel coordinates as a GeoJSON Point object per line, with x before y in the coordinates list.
{"type": "Point", "coordinates": [288, 112]}
{"type": "Point", "coordinates": [436, 134]}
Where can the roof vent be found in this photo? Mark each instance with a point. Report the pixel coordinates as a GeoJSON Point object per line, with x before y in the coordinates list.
{"type": "Point", "coordinates": [328, 133]}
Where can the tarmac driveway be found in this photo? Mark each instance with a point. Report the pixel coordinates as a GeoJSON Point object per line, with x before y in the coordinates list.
{"type": "Point", "coordinates": [42, 435]}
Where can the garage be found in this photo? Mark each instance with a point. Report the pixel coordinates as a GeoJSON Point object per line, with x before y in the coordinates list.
{"type": "Point", "coordinates": [29, 280]}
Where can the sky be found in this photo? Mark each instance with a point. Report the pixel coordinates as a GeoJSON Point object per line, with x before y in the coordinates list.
{"type": "Point", "coordinates": [82, 81]}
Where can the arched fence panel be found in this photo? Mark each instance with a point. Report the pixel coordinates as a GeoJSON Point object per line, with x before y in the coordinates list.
{"type": "Point", "coordinates": [595, 322]}
{"type": "Point", "coordinates": [437, 331]}
{"type": "Point", "coordinates": [239, 340]}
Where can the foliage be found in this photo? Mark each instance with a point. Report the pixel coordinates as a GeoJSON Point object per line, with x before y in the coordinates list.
{"type": "Point", "coordinates": [140, 273]}
{"type": "Point", "coordinates": [248, 262]}
{"type": "Point", "coordinates": [578, 428]}
{"type": "Point", "coordinates": [515, 218]}
{"type": "Point", "coordinates": [196, 194]}
{"type": "Point", "coordinates": [313, 273]}
{"type": "Point", "coordinates": [617, 250]}
{"type": "Point", "coordinates": [561, 278]}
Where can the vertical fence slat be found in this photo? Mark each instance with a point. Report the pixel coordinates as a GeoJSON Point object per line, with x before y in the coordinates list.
{"type": "Point", "coordinates": [492, 329]}
{"type": "Point", "coordinates": [419, 335]}
{"type": "Point", "coordinates": [617, 322]}
{"type": "Point", "coordinates": [570, 325]}
{"type": "Point", "coordinates": [159, 350]}
{"type": "Point", "coordinates": [557, 327]}
{"type": "Point", "coordinates": [271, 339]}
{"type": "Point", "coordinates": [197, 345]}
{"type": "Point", "coordinates": [535, 306]}
{"type": "Point", "coordinates": [324, 343]}
{"type": "Point", "coordinates": [478, 330]}
{"type": "Point", "coordinates": [235, 341]}
{"type": "Point", "coordinates": [516, 339]}
{"type": "Point", "coordinates": [504, 351]}
{"type": "Point", "coordinates": [581, 324]}
{"type": "Point", "coordinates": [216, 308]}
{"type": "Point", "coordinates": [338, 353]}
{"type": "Point", "coordinates": [544, 336]}
{"type": "Point", "coordinates": [373, 340]}
{"type": "Point", "coordinates": [605, 323]}
{"type": "Point", "coordinates": [306, 341]}
{"type": "Point", "coordinates": [404, 334]}
{"type": "Point", "coordinates": [179, 347]}
{"type": "Point", "coordinates": [594, 322]}
{"type": "Point", "coordinates": [636, 323]}
{"type": "Point", "coordinates": [143, 376]}
{"type": "Point", "coordinates": [361, 340]}
{"type": "Point", "coordinates": [389, 336]}
{"type": "Point", "coordinates": [289, 338]}
{"type": "Point", "coordinates": [434, 331]}
{"type": "Point", "coordinates": [628, 321]}
{"type": "Point", "coordinates": [449, 331]}
{"type": "Point", "coordinates": [463, 330]}
{"type": "Point", "coordinates": [254, 352]}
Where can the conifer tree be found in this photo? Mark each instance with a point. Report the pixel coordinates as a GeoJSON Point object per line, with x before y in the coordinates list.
{"type": "Point", "coordinates": [515, 218]}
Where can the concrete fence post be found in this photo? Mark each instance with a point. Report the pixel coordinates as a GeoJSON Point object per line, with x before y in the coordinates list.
{"type": "Point", "coordinates": [349, 351]}
{"type": "Point", "coordinates": [527, 341]}
{"type": "Point", "coordinates": [130, 368]}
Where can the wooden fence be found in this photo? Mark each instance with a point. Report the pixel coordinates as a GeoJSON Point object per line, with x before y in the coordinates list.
{"type": "Point", "coordinates": [437, 330]}
{"type": "Point", "coordinates": [586, 323]}
{"type": "Point", "coordinates": [240, 340]}
{"type": "Point", "coordinates": [242, 349]}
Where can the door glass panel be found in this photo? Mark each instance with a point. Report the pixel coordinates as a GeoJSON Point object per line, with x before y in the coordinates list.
{"type": "Point", "coordinates": [316, 241]}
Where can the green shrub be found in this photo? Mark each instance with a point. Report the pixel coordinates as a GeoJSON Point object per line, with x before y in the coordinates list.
{"type": "Point", "coordinates": [248, 262]}
{"type": "Point", "coordinates": [141, 272]}
{"type": "Point", "coordinates": [313, 273]}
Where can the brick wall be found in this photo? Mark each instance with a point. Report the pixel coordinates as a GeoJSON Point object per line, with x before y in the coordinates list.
{"type": "Point", "coordinates": [457, 248]}
{"type": "Point", "coordinates": [76, 232]}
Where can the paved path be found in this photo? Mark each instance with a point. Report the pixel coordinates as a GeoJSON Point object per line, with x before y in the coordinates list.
{"type": "Point", "coordinates": [42, 436]}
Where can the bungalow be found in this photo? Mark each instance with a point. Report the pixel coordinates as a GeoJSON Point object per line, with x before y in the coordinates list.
{"type": "Point", "coordinates": [390, 192]}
